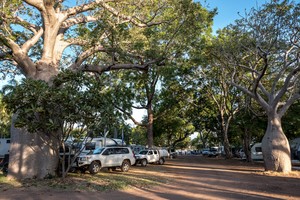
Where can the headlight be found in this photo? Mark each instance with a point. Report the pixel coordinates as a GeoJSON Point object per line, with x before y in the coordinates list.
{"type": "Point", "coordinates": [84, 158]}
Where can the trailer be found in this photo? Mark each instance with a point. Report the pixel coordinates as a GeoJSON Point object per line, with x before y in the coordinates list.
{"type": "Point", "coordinates": [4, 146]}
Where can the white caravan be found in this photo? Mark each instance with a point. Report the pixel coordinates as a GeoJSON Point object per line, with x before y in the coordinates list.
{"type": "Point", "coordinates": [4, 146]}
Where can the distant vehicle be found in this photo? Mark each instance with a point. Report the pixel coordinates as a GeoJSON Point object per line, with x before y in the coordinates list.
{"type": "Point", "coordinates": [4, 146]}
{"type": "Point", "coordinates": [256, 152]}
{"type": "Point", "coordinates": [214, 151]}
{"type": "Point", "coordinates": [137, 148]}
{"type": "Point", "coordinates": [172, 153]}
{"type": "Point", "coordinates": [205, 152]}
{"type": "Point", "coordinates": [106, 157]}
{"type": "Point", "coordinates": [241, 154]}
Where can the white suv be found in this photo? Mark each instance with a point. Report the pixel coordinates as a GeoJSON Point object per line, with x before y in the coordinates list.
{"type": "Point", "coordinates": [106, 157]}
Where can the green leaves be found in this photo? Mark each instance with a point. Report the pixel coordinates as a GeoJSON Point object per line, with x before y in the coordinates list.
{"type": "Point", "coordinates": [73, 99]}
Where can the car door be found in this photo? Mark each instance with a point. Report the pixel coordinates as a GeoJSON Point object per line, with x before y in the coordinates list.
{"type": "Point", "coordinates": [120, 156]}
{"type": "Point", "coordinates": [155, 156]}
{"type": "Point", "coordinates": [108, 157]}
{"type": "Point", "coordinates": [151, 156]}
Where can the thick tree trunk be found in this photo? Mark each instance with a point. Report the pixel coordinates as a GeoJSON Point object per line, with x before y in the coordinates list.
{"type": "Point", "coordinates": [246, 144]}
{"type": "Point", "coordinates": [275, 147]}
{"type": "Point", "coordinates": [150, 128]}
{"type": "Point", "coordinates": [32, 155]}
{"type": "Point", "coordinates": [227, 148]}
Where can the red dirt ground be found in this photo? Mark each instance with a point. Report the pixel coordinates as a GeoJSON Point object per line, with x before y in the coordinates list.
{"type": "Point", "coordinates": [189, 177]}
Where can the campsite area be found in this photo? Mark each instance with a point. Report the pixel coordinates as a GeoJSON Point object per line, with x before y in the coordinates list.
{"type": "Point", "coordinates": [186, 177]}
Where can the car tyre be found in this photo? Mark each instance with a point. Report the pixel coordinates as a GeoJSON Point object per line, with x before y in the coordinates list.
{"type": "Point", "coordinates": [94, 167]}
{"type": "Point", "coordinates": [144, 163]}
{"type": "Point", "coordinates": [125, 166]}
{"type": "Point", "coordinates": [5, 170]}
{"type": "Point", "coordinates": [161, 161]}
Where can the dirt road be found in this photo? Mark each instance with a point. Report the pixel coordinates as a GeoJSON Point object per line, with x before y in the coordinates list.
{"type": "Point", "coordinates": [189, 177]}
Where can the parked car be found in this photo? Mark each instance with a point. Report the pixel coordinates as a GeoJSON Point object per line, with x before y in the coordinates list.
{"type": "Point", "coordinates": [213, 152]}
{"type": "Point", "coordinates": [106, 157]}
{"type": "Point", "coordinates": [151, 156]}
{"type": "Point", "coordinates": [256, 152]}
{"type": "Point", "coordinates": [172, 153]}
{"type": "Point", "coordinates": [205, 152]}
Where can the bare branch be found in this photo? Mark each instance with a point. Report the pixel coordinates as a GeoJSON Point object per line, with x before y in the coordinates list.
{"type": "Point", "coordinates": [103, 68]}
{"type": "Point", "coordinates": [88, 53]}
{"type": "Point", "coordinates": [32, 27]}
{"type": "Point", "coordinates": [86, 7]}
{"type": "Point", "coordinates": [288, 103]}
{"type": "Point", "coordinates": [139, 107]}
{"type": "Point", "coordinates": [31, 42]}
{"type": "Point", "coordinates": [133, 19]}
{"type": "Point", "coordinates": [286, 84]}
{"type": "Point", "coordinates": [78, 20]}
{"type": "Point", "coordinates": [258, 79]}
{"type": "Point", "coordinates": [35, 3]}
{"type": "Point", "coordinates": [130, 116]}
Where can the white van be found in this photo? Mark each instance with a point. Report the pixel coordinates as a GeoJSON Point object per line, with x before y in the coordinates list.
{"type": "Point", "coordinates": [4, 146]}
{"type": "Point", "coordinates": [256, 152]}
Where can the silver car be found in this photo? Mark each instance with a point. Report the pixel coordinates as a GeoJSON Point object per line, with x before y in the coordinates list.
{"type": "Point", "coordinates": [106, 157]}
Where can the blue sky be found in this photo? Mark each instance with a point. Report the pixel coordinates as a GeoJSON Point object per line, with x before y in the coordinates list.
{"type": "Point", "coordinates": [228, 10]}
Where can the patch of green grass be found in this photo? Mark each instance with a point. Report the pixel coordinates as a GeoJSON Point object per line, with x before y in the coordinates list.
{"type": "Point", "coordinates": [103, 181]}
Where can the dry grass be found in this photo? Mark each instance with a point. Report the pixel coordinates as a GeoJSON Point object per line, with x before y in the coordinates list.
{"type": "Point", "coordinates": [292, 174]}
{"type": "Point", "coordinates": [103, 181]}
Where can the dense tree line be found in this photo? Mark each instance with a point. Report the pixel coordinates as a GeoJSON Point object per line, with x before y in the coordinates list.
{"type": "Point", "coordinates": [94, 62]}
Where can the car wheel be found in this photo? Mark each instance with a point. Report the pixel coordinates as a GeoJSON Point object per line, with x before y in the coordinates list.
{"type": "Point", "coordinates": [161, 161]}
{"type": "Point", "coordinates": [94, 167]}
{"type": "Point", "coordinates": [5, 170]}
{"type": "Point", "coordinates": [144, 163]}
{"type": "Point", "coordinates": [125, 166]}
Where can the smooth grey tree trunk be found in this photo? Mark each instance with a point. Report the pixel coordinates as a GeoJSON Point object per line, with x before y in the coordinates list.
{"type": "Point", "coordinates": [32, 155]}
{"type": "Point", "coordinates": [276, 148]}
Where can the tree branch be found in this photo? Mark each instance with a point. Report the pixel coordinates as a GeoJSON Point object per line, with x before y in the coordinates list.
{"type": "Point", "coordinates": [130, 116]}
{"type": "Point", "coordinates": [288, 103]}
{"type": "Point", "coordinates": [31, 42]}
{"type": "Point", "coordinates": [103, 68]}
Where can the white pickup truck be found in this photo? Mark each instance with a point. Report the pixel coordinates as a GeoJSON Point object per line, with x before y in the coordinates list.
{"type": "Point", "coordinates": [151, 156]}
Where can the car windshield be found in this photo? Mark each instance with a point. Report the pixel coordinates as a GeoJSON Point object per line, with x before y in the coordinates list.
{"type": "Point", "coordinates": [98, 151]}
{"type": "Point", "coordinates": [143, 152]}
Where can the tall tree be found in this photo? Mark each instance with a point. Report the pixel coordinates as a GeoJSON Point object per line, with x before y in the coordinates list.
{"type": "Point", "coordinates": [226, 100]}
{"type": "Point", "coordinates": [176, 41]}
{"type": "Point", "coordinates": [262, 50]}
{"type": "Point", "coordinates": [37, 36]}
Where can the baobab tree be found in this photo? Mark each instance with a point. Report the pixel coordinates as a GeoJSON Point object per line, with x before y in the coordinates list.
{"type": "Point", "coordinates": [261, 55]}
{"type": "Point", "coordinates": [40, 37]}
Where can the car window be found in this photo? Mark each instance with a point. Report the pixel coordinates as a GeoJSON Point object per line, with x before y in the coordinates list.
{"type": "Point", "coordinates": [98, 150]}
{"type": "Point", "coordinates": [122, 151]}
{"type": "Point", "coordinates": [90, 146]}
{"type": "Point", "coordinates": [258, 149]}
{"type": "Point", "coordinates": [150, 153]}
{"type": "Point", "coordinates": [155, 152]}
{"type": "Point", "coordinates": [143, 152]}
{"type": "Point", "coordinates": [125, 150]}
{"type": "Point", "coordinates": [109, 151]}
